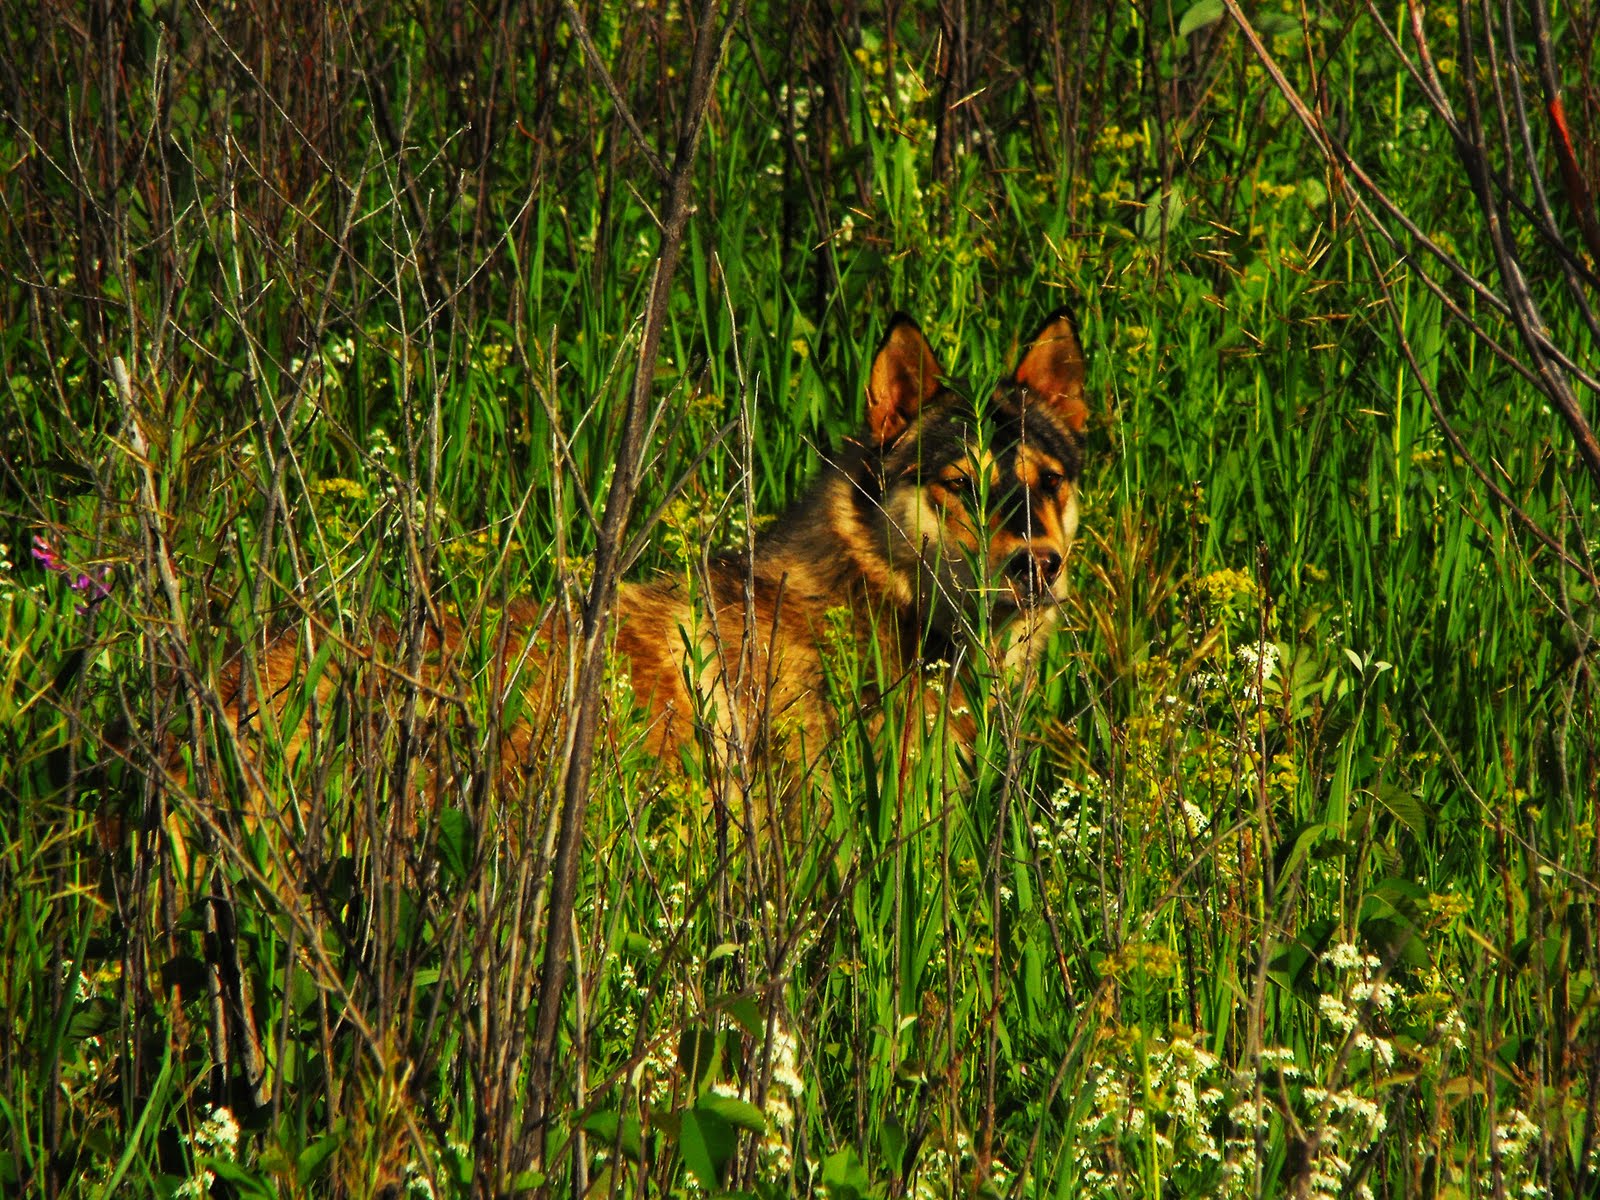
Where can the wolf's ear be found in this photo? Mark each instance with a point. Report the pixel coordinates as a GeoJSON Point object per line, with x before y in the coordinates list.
{"type": "Point", "coordinates": [1053, 369]}
{"type": "Point", "coordinates": [904, 375]}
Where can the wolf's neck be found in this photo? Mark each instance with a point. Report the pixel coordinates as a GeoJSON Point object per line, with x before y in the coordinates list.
{"type": "Point", "coordinates": [831, 551]}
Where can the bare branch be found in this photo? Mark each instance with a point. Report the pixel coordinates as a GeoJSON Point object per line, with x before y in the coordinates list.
{"type": "Point", "coordinates": [710, 44]}
{"type": "Point", "coordinates": [1545, 364]}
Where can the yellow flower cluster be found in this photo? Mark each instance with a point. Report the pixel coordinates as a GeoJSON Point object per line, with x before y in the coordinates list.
{"type": "Point", "coordinates": [1225, 593]}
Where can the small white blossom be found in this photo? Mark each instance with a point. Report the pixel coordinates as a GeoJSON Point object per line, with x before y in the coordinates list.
{"type": "Point", "coordinates": [1336, 1013]}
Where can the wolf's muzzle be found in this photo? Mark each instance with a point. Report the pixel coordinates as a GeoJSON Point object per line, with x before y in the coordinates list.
{"type": "Point", "coordinates": [1033, 573]}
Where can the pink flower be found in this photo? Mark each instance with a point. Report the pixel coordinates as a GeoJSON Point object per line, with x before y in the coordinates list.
{"type": "Point", "coordinates": [94, 585]}
{"type": "Point", "coordinates": [45, 556]}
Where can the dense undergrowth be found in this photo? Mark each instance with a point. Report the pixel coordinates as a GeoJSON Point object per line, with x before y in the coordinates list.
{"type": "Point", "coordinates": [1282, 878]}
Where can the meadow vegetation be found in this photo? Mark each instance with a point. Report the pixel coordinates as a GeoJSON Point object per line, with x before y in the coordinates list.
{"type": "Point", "coordinates": [1282, 877]}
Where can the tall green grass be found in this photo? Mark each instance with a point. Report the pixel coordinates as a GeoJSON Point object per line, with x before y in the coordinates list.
{"type": "Point", "coordinates": [1280, 878]}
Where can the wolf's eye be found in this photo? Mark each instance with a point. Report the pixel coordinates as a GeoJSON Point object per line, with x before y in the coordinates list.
{"type": "Point", "coordinates": [964, 486]}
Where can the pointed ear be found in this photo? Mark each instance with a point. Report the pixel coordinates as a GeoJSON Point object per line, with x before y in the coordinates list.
{"type": "Point", "coordinates": [904, 375]}
{"type": "Point", "coordinates": [1053, 369]}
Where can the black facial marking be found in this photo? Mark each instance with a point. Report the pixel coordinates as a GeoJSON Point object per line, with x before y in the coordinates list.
{"type": "Point", "coordinates": [951, 427]}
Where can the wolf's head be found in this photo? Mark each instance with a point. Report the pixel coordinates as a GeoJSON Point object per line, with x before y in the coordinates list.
{"type": "Point", "coordinates": [978, 495]}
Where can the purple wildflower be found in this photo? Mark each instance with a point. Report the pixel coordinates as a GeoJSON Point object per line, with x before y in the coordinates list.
{"type": "Point", "coordinates": [93, 585]}
{"type": "Point", "coordinates": [45, 556]}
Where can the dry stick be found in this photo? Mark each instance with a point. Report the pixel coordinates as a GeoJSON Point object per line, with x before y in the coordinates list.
{"type": "Point", "coordinates": [1543, 220]}
{"type": "Point", "coordinates": [414, 250]}
{"type": "Point", "coordinates": [580, 33]}
{"type": "Point", "coordinates": [1525, 314]}
{"type": "Point", "coordinates": [1549, 360]}
{"type": "Point", "coordinates": [708, 55]}
{"type": "Point", "coordinates": [1576, 187]}
{"type": "Point", "coordinates": [425, 253]}
{"type": "Point", "coordinates": [952, 84]}
{"type": "Point", "coordinates": [1546, 224]}
{"type": "Point", "coordinates": [1428, 79]}
{"type": "Point", "coordinates": [1333, 153]}
{"type": "Point", "coordinates": [205, 701]}
{"type": "Point", "coordinates": [229, 992]}
{"type": "Point", "coordinates": [1266, 851]}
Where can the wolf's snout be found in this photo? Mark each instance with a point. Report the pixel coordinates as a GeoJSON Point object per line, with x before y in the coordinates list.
{"type": "Point", "coordinates": [1034, 571]}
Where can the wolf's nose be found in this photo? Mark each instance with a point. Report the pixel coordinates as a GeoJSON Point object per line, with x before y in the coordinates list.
{"type": "Point", "coordinates": [1036, 570]}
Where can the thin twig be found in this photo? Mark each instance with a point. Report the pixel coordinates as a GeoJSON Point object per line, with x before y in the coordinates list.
{"type": "Point", "coordinates": [1549, 366]}
{"type": "Point", "coordinates": [708, 55]}
{"type": "Point", "coordinates": [580, 32]}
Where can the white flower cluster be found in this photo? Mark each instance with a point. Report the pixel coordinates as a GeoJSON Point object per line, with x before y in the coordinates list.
{"type": "Point", "coordinates": [314, 375]}
{"type": "Point", "coordinates": [1165, 1110]}
{"type": "Point", "coordinates": [1357, 985]}
{"type": "Point", "coordinates": [383, 450]}
{"type": "Point", "coordinates": [784, 1090]}
{"type": "Point", "coordinates": [1257, 665]}
{"type": "Point", "coordinates": [1517, 1137]}
{"type": "Point", "coordinates": [635, 996]}
{"type": "Point", "coordinates": [783, 1093]}
{"type": "Point", "coordinates": [1168, 1093]}
{"type": "Point", "coordinates": [398, 506]}
{"type": "Point", "coordinates": [217, 1136]}
{"type": "Point", "coordinates": [1345, 1120]}
{"type": "Point", "coordinates": [944, 1168]}
{"type": "Point", "coordinates": [1196, 818]}
{"type": "Point", "coordinates": [1072, 832]}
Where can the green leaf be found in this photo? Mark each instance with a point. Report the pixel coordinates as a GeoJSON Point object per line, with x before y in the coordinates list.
{"type": "Point", "coordinates": [242, 1182]}
{"type": "Point", "coordinates": [705, 1141]}
{"type": "Point", "coordinates": [892, 1142]}
{"type": "Point", "coordinates": [606, 1126]}
{"type": "Point", "coordinates": [1198, 16]}
{"type": "Point", "coordinates": [734, 1111]}
{"type": "Point", "coordinates": [314, 1158]}
{"type": "Point", "coordinates": [526, 1181]}
{"type": "Point", "coordinates": [636, 943]}
{"type": "Point", "coordinates": [1277, 24]}
{"type": "Point", "coordinates": [744, 1012]}
{"type": "Point", "coordinates": [1033, 989]}
{"type": "Point", "coordinates": [455, 842]}
{"type": "Point", "coordinates": [1397, 896]}
{"type": "Point", "coordinates": [1407, 808]}
{"type": "Point", "coordinates": [1307, 837]}
{"type": "Point", "coordinates": [844, 1176]}
{"type": "Point", "coordinates": [1170, 207]}
{"type": "Point", "coordinates": [93, 1019]}
{"type": "Point", "coordinates": [459, 1161]}
{"type": "Point", "coordinates": [699, 1052]}
{"type": "Point", "coordinates": [1294, 965]}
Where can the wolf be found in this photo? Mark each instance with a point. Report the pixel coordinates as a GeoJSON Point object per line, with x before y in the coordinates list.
{"type": "Point", "coordinates": [947, 521]}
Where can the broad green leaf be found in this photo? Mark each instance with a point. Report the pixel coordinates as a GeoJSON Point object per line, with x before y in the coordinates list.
{"type": "Point", "coordinates": [740, 1113]}
{"type": "Point", "coordinates": [606, 1127]}
{"type": "Point", "coordinates": [1198, 16]}
{"type": "Point", "coordinates": [705, 1141]}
